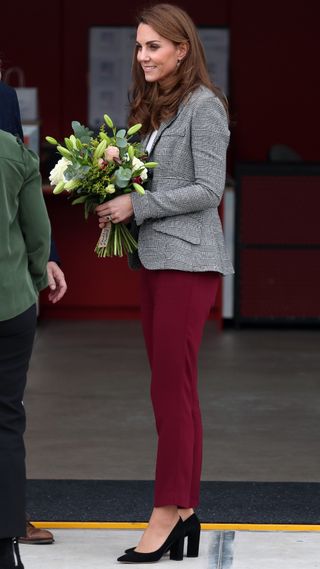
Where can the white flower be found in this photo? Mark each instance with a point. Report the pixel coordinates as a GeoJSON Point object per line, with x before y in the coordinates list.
{"type": "Point", "coordinates": [136, 165]}
{"type": "Point", "coordinates": [56, 174]}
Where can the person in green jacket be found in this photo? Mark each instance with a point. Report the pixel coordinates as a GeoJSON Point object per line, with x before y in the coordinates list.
{"type": "Point", "coordinates": [24, 250]}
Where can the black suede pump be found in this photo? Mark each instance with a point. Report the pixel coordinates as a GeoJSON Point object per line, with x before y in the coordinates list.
{"type": "Point", "coordinates": [174, 544]}
{"type": "Point", "coordinates": [192, 528]}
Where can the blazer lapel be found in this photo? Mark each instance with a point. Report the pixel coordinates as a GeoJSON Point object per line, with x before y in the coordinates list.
{"type": "Point", "coordinates": [162, 127]}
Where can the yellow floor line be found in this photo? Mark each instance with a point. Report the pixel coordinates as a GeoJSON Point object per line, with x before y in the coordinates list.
{"type": "Point", "coordinates": [204, 526]}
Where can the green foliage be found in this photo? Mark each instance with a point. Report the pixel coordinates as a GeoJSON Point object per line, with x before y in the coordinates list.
{"type": "Point", "coordinates": [122, 177]}
{"type": "Point", "coordinates": [82, 132]}
{"type": "Point", "coordinates": [92, 176]}
{"type": "Point", "coordinates": [76, 170]}
{"type": "Point", "coordinates": [121, 142]}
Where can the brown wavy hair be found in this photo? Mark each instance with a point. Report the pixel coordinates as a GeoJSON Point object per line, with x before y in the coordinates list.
{"type": "Point", "coordinates": [151, 104]}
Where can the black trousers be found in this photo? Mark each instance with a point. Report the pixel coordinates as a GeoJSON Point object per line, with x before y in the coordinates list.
{"type": "Point", "coordinates": [16, 341]}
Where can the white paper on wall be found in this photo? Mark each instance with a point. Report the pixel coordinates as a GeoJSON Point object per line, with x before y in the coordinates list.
{"type": "Point", "coordinates": [28, 103]}
{"type": "Point", "coordinates": [31, 137]}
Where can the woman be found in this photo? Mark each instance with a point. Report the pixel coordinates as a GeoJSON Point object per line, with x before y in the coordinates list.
{"type": "Point", "coordinates": [24, 251]}
{"type": "Point", "coordinates": [181, 255]}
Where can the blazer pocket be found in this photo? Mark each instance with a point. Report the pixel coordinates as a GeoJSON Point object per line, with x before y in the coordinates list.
{"type": "Point", "coordinates": [183, 227]}
{"type": "Point", "coordinates": [173, 132]}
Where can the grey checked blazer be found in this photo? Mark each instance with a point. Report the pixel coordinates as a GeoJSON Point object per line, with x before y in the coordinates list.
{"type": "Point", "coordinates": [177, 217]}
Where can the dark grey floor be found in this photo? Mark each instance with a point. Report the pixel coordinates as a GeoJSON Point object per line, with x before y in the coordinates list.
{"type": "Point", "coordinates": [89, 414]}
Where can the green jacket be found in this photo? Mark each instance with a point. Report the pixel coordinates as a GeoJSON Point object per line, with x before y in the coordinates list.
{"type": "Point", "coordinates": [24, 228]}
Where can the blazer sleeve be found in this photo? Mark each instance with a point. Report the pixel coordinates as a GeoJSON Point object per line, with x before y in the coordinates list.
{"type": "Point", "coordinates": [16, 116]}
{"type": "Point", "coordinates": [210, 139]}
{"type": "Point", "coordinates": [10, 118]}
{"type": "Point", "coordinates": [54, 256]}
{"type": "Point", "coordinates": [34, 220]}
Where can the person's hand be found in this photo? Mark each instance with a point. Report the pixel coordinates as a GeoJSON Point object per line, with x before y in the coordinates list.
{"type": "Point", "coordinates": [116, 210]}
{"type": "Point", "coordinates": [56, 282]}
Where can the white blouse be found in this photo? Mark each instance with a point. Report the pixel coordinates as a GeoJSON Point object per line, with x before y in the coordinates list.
{"type": "Point", "coordinates": [150, 141]}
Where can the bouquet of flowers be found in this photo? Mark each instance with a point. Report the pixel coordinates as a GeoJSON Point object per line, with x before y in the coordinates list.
{"type": "Point", "coordinates": [94, 169]}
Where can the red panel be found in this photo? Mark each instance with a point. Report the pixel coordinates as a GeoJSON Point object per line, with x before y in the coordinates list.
{"type": "Point", "coordinates": [275, 88]}
{"type": "Point", "coordinates": [280, 284]}
{"type": "Point", "coordinates": [97, 288]}
{"type": "Point", "coordinates": [276, 209]}
{"type": "Point", "coordinates": [31, 34]}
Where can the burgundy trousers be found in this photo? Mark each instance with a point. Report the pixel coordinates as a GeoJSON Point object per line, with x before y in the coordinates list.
{"type": "Point", "coordinates": [175, 306]}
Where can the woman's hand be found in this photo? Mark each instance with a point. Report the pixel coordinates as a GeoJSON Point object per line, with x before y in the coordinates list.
{"type": "Point", "coordinates": [116, 210]}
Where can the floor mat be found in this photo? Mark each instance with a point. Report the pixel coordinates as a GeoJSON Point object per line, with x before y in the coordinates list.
{"type": "Point", "coordinates": [131, 501]}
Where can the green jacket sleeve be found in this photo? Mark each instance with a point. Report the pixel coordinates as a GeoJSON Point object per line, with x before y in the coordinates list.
{"type": "Point", "coordinates": [34, 220]}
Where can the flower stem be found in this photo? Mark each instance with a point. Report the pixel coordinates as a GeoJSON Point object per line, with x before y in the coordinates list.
{"type": "Point", "coordinates": [120, 242]}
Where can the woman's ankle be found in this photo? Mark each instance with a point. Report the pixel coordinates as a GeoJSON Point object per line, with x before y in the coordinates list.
{"type": "Point", "coordinates": [185, 513]}
{"type": "Point", "coordinates": [164, 515]}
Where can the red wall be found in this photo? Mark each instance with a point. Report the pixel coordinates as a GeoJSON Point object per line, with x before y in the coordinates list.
{"type": "Point", "coordinates": [274, 94]}
{"type": "Point", "coordinates": [275, 85]}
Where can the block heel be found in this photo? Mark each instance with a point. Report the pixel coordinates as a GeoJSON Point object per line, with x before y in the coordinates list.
{"type": "Point", "coordinates": [192, 532]}
{"type": "Point", "coordinates": [193, 543]}
{"type": "Point", "coordinates": [176, 550]}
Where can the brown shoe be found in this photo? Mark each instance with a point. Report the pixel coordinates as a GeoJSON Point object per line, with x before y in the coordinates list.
{"type": "Point", "coordinates": [36, 536]}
